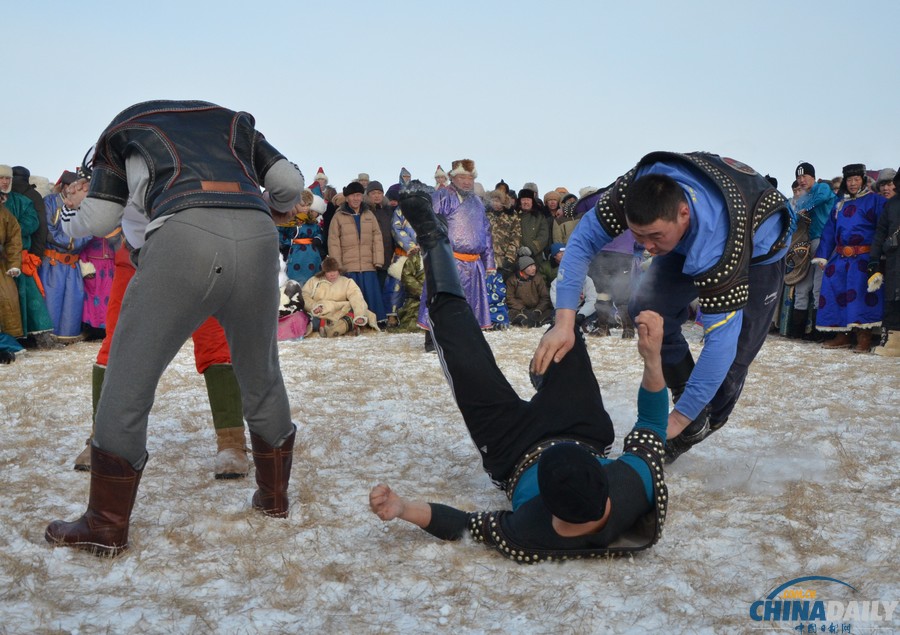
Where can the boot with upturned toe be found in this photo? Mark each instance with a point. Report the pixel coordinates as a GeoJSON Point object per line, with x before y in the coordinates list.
{"type": "Point", "coordinates": [273, 472]}
{"type": "Point", "coordinates": [103, 528]}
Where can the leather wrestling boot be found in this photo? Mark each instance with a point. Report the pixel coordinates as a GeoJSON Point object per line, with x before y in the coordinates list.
{"type": "Point", "coordinates": [227, 412]}
{"type": "Point", "coordinates": [441, 275]}
{"type": "Point", "coordinates": [83, 460]}
{"type": "Point", "coordinates": [890, 346]}
{"type": "Point", "coordinates": [863, 341]}
{"type": "Point", "coordinates": [103, 528]}
{"type": "Point", "coordinates": [841, 340]}
{"type": "Point", "coordinates": [273, 471]}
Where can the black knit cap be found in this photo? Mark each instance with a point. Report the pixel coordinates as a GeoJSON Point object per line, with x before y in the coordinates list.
{"type": "Point", "coordinates": [573, 484]}
{"type": "Point", "coordinates": [805, 168]}
{"type": "Point", "coordinates": [855, 169]}
{"type": "Point", "coordinates": [354, 188]}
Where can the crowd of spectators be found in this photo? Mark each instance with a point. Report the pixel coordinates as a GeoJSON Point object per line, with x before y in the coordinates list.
{"type": "Point", "coordinates": [356, 268]}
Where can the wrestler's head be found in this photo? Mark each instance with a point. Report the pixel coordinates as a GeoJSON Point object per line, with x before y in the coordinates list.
{"type": "Point", "coordinates": [657, 212]}
{"type": "Point", "coordinates": [574, 486]}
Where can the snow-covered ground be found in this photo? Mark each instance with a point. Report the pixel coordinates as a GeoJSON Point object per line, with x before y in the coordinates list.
{"type": "Point", "coordinates": [803, 481]}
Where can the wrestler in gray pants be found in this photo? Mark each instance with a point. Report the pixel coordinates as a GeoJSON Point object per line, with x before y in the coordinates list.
{"type": "Point", "coordinates": [188, 270]}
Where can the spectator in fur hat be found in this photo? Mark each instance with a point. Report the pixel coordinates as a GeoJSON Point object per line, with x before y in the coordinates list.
{"type": "Point", "coordinates": [885, 244]}
{"type": "Point", "coordinates": [384, 213]}
{"type": "Point", "coordinates": [564, 220]}
{"type": "Point", "coordinates": [21, 183]}
{"type": "Point", "coordinates": [535, 232]}
{"type": "Point", "coordinates": [884, 184]}
{"type": "Point", "coordinates": [846, 307]}
{"type": "Point", "coordinates": [470, 236]}
{"type": "Point", "coordinates": [440, 178]}
{"type": "Point", "coordinates": [551, 201]}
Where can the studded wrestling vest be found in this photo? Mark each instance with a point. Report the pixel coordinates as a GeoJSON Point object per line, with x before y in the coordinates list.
{"type": "Point", "coordinates": [750, 200]}
{"type": "Point", "coordinates": [199, 155]}
{"type": "Point", "coordinates": [487, 527]}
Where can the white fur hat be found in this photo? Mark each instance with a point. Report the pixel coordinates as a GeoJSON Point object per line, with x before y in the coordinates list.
{"type": "Point", "coordinates": [464, 166]}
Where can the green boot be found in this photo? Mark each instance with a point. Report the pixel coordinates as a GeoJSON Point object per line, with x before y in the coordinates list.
{"type": "Point", "coordinates": [83, 460]}
{"type": "Point", "coordinates": [228, 419]}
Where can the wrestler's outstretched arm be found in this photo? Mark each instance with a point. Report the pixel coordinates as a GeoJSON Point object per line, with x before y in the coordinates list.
{"type": "Point", "coordinates": [441, 521]}
{"type": "Point", "coordinates": [650, 333]}
{"type": "Point", "coordinates": [388, 505]}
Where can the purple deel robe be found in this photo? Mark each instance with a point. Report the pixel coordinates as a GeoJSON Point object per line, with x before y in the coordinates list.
{"type": "Point", "coordinates": [470, 233]}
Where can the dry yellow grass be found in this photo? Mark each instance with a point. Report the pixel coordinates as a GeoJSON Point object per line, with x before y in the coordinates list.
{"type": "Point", "coordinates": [802, 481]}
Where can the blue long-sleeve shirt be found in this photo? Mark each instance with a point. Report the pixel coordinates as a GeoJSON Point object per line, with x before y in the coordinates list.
{"type": "Point", "coordinates": [702, 246]}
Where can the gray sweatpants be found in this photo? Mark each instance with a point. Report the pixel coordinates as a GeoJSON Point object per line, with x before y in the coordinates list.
{"type": "Point", "coordinates": [200, 262]}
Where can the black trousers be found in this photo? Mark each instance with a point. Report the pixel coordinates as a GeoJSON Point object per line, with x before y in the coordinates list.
{"type": "Point", "coordinates": [669, 292]}
{"type": "Point", "coordinates": [502, 425]}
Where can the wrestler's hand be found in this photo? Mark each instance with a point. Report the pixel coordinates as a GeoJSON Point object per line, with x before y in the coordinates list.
{"type": "Point", "coordinates": [14, 272]}
{"type": "Point", "coordinates": [385, 503]}
{"type": "Point", "coordinates": [677, 423]}
{"type": "Point", "coordinates": [650, 333]}
{"type": "Point", "coordinates": [819, 261]}
{"type": "Point", "coordinates": [555, 343]}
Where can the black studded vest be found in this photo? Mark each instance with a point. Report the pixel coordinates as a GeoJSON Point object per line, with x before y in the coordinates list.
{"type": "Point", "coordinates": [750, 200]}
{"type": "Point", "coordinates": [488, 527]}
{"type": "Point", "coordinates": [199, 155]}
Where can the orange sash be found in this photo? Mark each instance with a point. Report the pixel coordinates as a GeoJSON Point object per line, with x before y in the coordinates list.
{"type": "Point", "coordinates": [30, 264]}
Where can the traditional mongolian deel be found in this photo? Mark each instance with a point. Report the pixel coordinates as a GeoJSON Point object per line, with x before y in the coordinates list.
{"type": "Point", "coordinates": [60, 272]}
{"type": "Point", "coordinates": [846, 241]}
{"type": "Point", "coordinates": [470, 236]}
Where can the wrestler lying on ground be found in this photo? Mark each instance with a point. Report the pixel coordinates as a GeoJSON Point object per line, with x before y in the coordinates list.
{"type": "Point", "coordinates": [547, 454]}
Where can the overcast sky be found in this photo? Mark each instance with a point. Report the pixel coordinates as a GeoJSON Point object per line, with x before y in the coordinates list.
{"type": "Point", "coordinates": [560, 93]}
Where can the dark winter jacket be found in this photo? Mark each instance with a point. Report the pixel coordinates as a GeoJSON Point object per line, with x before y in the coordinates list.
{"type": "Point", "coordinates": [888, 225]}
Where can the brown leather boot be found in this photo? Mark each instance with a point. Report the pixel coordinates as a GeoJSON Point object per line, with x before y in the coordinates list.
{"type": "Point", "coordinates": [863, 341]}
{"type": "Point", "coordinates": [841, 340]}
{"type": "Point", "coordinates": [103, 528]}
{"type": "Point", "coordinates": [273, 471]}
